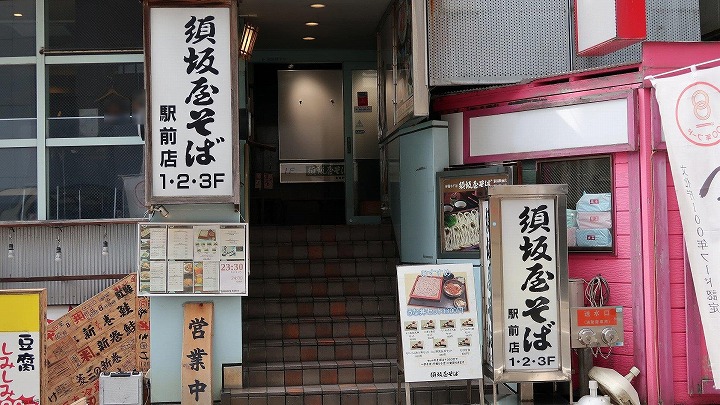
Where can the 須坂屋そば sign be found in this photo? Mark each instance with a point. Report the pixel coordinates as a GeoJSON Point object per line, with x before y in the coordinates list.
{"type": "Point", "coordinates": [22, 329]}
{"type": "Point", "coordinates": [690, 113]}
{"type": "Point", "coordinates": [191, 58]}
{"type": "Point", "coordinates": [439, 321]}
{"type": "Point", "coordinates": [529, 283]}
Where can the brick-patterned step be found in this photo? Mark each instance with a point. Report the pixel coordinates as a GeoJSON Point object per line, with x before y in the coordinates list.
{"type": "Point", "coordinates": [323, 287]}
{"type": "Point", "coordinates": [320, 327]}
{"type": "Point", "coordinates": [267, 235]}
{"type": "Point", "coordinates": [261, 269]}
{"type": "Point", "coordinates": [322, 372]}
{"type": "Point", "coordinates": [288, 350]}
{"type": "Point", "coordinates": [323, 250]}
{"type": "Point", "coordinates": [436, 393]}
{"type": "Point", "coordinates": [314, 306]}
{"type": "Point", "coordinates": [332, 394]}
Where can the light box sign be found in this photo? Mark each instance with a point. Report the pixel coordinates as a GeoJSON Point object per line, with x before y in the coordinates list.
{"type": "Point", "coordinates": [529, 284]}
{"type": "Point", "coordinates": [192, 259]}
{"type": "Point", "coordinates": [191, 68]}
{"type": "Point", "coordinates": [605, 26]}
{"type": "Point", "coordinates": [22, 330]}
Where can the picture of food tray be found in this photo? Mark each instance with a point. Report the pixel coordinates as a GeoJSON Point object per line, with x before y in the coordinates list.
{"type": "Point", "coordinates": [206, 234]}
{"type": "Point", "coordinates": [437, 292]}
{"type": "Point", "coordinates": [427, 288]}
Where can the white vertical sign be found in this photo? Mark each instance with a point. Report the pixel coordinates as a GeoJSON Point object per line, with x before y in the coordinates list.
{"type": "Point", "coordinates": [191, 102]}
{"type": "Point", "coordinates": [439, 321]}
{"type": "Point", "coordinates": [530, 296]}
{"type": "Point", "coordinates": [690, 114]}
{"type": "Point", "coordinates": [20, 364]}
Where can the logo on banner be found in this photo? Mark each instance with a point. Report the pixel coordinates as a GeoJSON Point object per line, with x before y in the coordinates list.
{"type": "Point", "coordinates": [702, 127]}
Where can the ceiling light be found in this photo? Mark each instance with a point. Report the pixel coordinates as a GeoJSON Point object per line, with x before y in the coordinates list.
{"type": "Point", "coordinates": [17, 15]}
{"type": "Point", "coordinates": [309, 38]}
{"type": "Point", "coordinates": [317, 5]}
{"type": "Point", "coordinates": [312, 24]}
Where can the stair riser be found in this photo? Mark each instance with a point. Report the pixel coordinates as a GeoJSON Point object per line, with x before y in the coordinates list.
{"type": "Point", "coordinates": [420, 396]}
{"type": "Point", "coordinates": [263, 354]}
{"type": "Point", "coordinates": [346, 268]}
{"type": "Point", "coordinates": [315, 376]}
{"type": "Point", "coordinates": [258, 309]}
{"type": "Point", "coordinates": [347, 250]}
{"type": "Point", "coordinates": [268, 235]}
{"type": "Point", "coordinates": [259, 329]}
{"type": "Point", "coordinates": [286, 289]}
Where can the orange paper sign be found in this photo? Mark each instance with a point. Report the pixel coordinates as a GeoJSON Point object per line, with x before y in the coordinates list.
{"type": "Point", "coordinates": [597, 317]}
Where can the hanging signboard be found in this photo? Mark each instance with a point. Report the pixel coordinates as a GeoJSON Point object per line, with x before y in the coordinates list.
{"type": "Point", "coordinates": [530, 319]}
{"type": "Point", "coordinates": [109, 332]}
{"type": "Point", "coordinates": [439, 321]}
{"type": "Point", "coordinates": [690, 118]}
{"type": "Point", "coordinates": [191, 259]}
{"type": "Point", "coordinates": [460, 194]}
{"type": "Point", "coordinates": [196, 373]}
{"type": "Point", "coordinates": [22, 330]}
{"type": "Point", "coordinates": [604, 26]}
{"type": "Point", "coordinates": [192, 145]}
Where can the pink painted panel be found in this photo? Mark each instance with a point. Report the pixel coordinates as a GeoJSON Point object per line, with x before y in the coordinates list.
{"type": "Point", "coordinates": [677, 296]}
{"type": "Point", "coordinates": [678, 323]}
{"type": "Point", "coordinates": [614, 270]}
{"type": "Point", "coordinates": [679, 341]}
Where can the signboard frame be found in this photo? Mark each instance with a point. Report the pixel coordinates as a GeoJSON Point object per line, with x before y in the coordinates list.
{"type": "Point", "coordinates": [475, 174]}
{"type": "Point", "coordinates": [453, 330]}
{"type": "Point", "coordinates": [150, 198]}
{"type": "Point", "coordinates": [167, 226]}
{"type": "Point", "coordinates": [42, 330]}
{"type": "Point", "coordinates": [497, 371]}
{"type": "Point", "coordinates": [628, 16]}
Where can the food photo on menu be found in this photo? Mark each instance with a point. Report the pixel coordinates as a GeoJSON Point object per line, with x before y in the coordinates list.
{"type": "Point", "coordinates": [434, 291]}
{"type": "Point", "coordinates": [461, 231]}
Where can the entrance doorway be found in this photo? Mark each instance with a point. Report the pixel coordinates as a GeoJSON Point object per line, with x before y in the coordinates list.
{"type": "Point", "coordinates": [314, 155]}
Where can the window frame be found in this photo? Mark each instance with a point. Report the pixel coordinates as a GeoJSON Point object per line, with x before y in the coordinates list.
{"type": "Point", "coordinates": [612, 251]}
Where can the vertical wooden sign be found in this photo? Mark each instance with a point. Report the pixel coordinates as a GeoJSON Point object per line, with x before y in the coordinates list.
{"type": "Point", "coordinates": [196, 374]}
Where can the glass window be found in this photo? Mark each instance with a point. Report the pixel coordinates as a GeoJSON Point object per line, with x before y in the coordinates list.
{"type": "Point", "coordinates": [17, 102]}
{"type": "Point", "coordinates": [18, 184]}
{"type": "Point", "coordinates": [94, 100]}
{"type": "Point", "coordinates": [589, 199]}
{"type": "Point", "coordinates": [17, 28]}
{"type": "Point", "coordinates": [94, 24]}
{"type": "Point", "coordinates": [710, 20]}
{"type": "Point", "coordinates": [96, 182]}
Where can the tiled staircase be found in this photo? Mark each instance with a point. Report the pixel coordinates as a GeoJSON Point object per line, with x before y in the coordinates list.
{"type": "Point", "coordinates": [320, 324]}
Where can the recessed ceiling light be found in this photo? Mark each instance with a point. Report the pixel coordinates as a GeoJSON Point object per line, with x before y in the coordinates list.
{"type": "Point", "coordinates": [317, 5]}
{"type": "Point", "coordinates": [312, 24]}
{"type": "Point", "coordinates": [309, 38]}
{"type": "Point", "coordinates": [17, 14]}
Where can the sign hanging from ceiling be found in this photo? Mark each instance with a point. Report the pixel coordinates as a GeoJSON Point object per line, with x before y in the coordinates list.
{"type": "Point", "coordinates": [604, 26]}
{"type": "Point", "coordinates": [191, 73]}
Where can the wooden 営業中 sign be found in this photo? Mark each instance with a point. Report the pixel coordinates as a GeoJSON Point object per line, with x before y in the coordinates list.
{"type": "Point", "coordinates": [196, 374]}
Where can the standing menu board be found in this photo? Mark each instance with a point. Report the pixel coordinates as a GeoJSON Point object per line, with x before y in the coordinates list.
{"type": "Point", "coordinates": [184, 259]}
{"type": "Point", "coordinates": [439, 321]}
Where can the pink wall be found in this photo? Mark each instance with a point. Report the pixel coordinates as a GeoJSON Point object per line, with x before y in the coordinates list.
{"type": "Point", "coordinates": [617, 269]}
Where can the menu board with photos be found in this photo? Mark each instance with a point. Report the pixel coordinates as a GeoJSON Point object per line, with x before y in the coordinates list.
{"type": "Point", "coordinates": [185, 259]}
{"type": "Point", "coordinates": [439, 320]}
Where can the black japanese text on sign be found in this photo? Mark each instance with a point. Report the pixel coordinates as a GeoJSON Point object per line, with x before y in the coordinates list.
{"type": "Point", "coordinates": [529, 292]}
{"type": "Point", "coordinates": [197, 353]}
{"type": "Point", "coordinates": [191, 101]}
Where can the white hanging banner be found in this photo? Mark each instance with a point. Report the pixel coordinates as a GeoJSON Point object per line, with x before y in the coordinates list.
{"type": "Point", "coordinates": [690, 114]}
